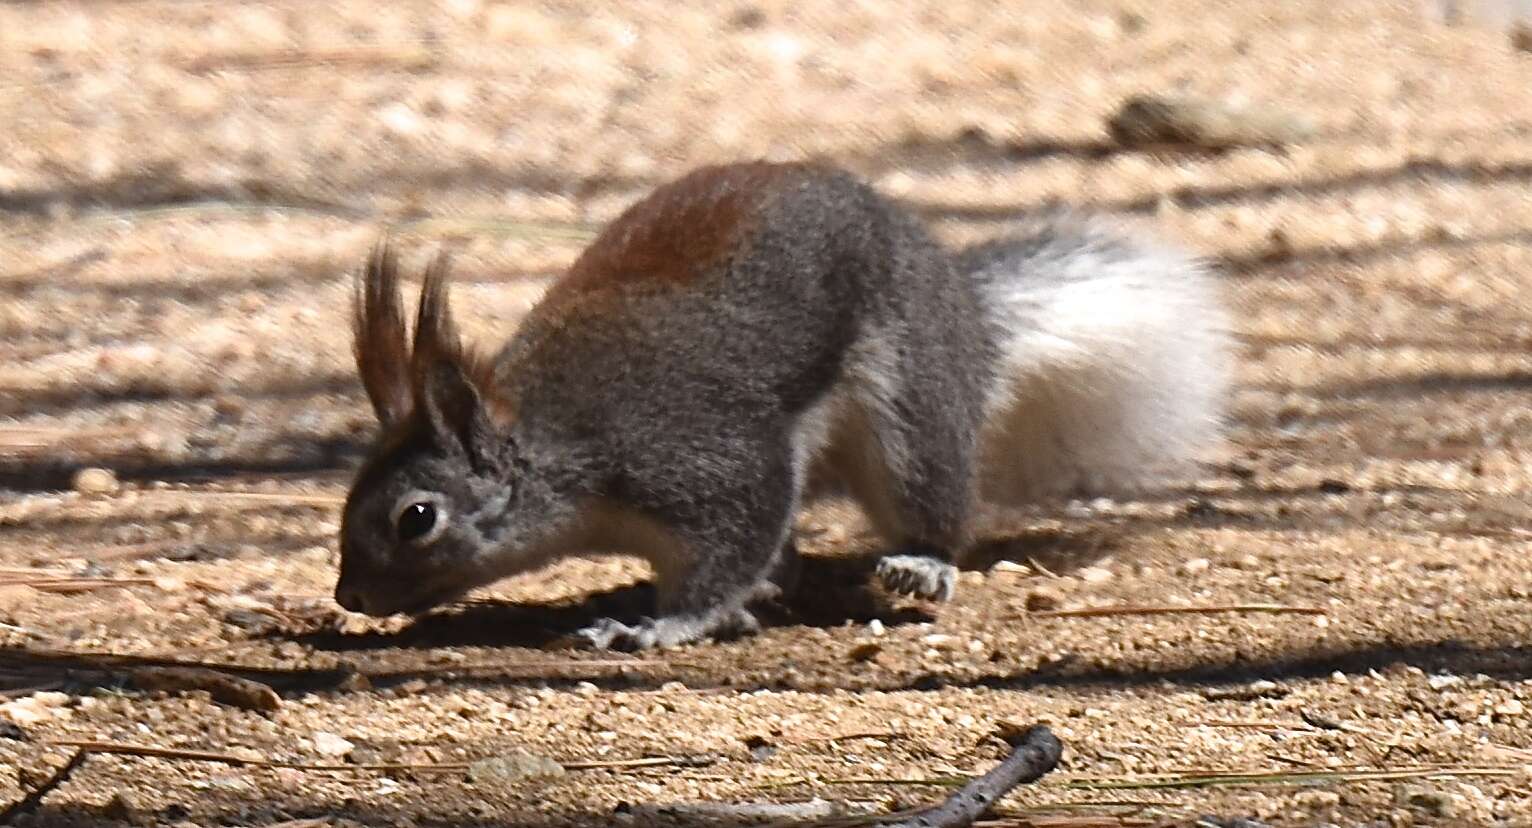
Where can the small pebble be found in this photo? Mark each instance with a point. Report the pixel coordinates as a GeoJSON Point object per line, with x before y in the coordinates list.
{"type": "Point", "coordinates": [1095, 575]}
{"type": "Point", "coordinates": [1316, 800]}
{"type": "Point", "coordinates": [329, 744]}
{"type": "Point", "coordinates": [251, 621]}
{"type": "Point", "coordinates": [760, 748]}
{"type": "Point", "coordinates": [1433, 802]}
{"type": "Point", "coordinates": [1510, 707]}
{"type": "Point", "coordinates": [95, 481]}
{"type": "Point", "coordinates": [1333, 486]}
{"type": "Point", "coordinates": [1443, 682]}
{"type": "Point", "coordinates": [119, 808]}
{"type": "Point", "coordinates": [1043, 598]}
{"type": "Point", "coordinates": [875, 627]}
{"type": "Point", "coordinates": [513, 767]}
{"type": "Point", "coordinates": [866, 651]}
{"type": "Point", "coordinates": [367, 756]}
{"type": "Point", "coordinates": [1521, 36]}
{"type": "Point", "coordinates": [1206, 123]}
{"type": "Point", "coordinates": [1196, 566]}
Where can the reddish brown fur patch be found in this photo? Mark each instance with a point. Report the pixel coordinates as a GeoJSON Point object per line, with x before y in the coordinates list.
{"type": "Point", "coordinates": [679, 230]}
{"type": "Point", "coordinates": [480, 369]}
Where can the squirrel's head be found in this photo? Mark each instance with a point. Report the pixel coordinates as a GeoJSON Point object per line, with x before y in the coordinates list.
{"type": "Point", "coordinates": [431, 515]}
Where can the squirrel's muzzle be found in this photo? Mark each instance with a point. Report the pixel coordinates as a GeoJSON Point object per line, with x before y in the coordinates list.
{"type": "Point", "coordinates": [351, 598]}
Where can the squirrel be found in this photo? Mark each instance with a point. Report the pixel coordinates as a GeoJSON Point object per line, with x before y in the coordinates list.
{"type": "Point", "coordinates": [740, 332]}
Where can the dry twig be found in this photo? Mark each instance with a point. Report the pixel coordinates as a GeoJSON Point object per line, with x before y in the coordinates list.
{"type": "Point", "coordinates": [408, 56]}
{"type": "Point", "coordinates": [282, 498]}
{"type": "Point", "coordinates": [222, 687]}
{"type": "Point", "coordinates": [34, 438]}
{"type": "Point", "coordinates": [34, 797]}
{"type": "Point", "coordinates": [72, 585]}
{"type": "Point", "coordinates": [1035, 751]}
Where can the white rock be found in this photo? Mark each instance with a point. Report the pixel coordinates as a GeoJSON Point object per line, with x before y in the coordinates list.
{"type": "Point", "coordinates": [328, 744]}
{"type": "Point", "coordinates": [400, 119]}
{"type": "Point", "coordinates": [1095, 575]}
{"type": "Point", "coordinates": [1196, 566]}
{"type": "Point", "coordinates": [50, 698]}
{"type": "Point", "coordinates": [36, 708]}
{"type": "Point", "coordinates": [95, 481]}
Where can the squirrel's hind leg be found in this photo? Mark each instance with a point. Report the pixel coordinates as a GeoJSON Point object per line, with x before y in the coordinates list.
{"type": "Point", "coordinates": [909, 461]}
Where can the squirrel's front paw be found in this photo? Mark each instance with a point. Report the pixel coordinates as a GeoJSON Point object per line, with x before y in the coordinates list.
{"type": "Point", "coordinates": [611, 634]}
{"type": "Point", "coordinates": [649, 633]}
{"type": "Point", "coordinates": [918, 575]}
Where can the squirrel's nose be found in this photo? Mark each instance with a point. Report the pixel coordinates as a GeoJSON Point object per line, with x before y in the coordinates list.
{"type": "Point", "coordinates": [351, 598]}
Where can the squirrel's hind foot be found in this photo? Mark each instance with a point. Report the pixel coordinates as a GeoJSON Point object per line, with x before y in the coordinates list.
{"type": "Point", "coordinates": [921, 576]}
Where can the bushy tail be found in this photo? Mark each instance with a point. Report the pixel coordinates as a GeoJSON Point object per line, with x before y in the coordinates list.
{"type": "Point", "coordinates": [1115, 360]}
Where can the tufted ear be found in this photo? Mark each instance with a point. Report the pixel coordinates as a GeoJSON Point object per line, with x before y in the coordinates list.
{"type": "Point", "coordinates": [382, 353]}
{"type": "Point", "coordinates": [447, 378]}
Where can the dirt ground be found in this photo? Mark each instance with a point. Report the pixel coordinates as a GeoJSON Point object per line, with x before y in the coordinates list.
{"type": "Point", "coordinates": [187, 187]}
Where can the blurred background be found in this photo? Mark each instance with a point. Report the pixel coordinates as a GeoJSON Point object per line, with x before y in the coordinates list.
{"type": "Point", "coordinates": [186, 189]}
{"type": "Point", "coordinates": [185, 186]}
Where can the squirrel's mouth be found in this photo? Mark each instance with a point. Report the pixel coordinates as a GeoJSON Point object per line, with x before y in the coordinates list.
{"type": "Point", "coordinates": [383, 606]}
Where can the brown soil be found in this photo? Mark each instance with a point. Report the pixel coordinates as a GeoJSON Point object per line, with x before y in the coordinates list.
{"type": "Point", "coordinates": [185, 188]}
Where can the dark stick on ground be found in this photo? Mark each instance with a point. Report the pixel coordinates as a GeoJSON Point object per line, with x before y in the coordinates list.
{"type": "Point", "coordinates": [1035, 751]}
{"type": "Point", "coordinates": [29, 803]}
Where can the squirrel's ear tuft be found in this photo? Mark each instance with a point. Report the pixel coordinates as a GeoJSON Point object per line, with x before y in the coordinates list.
{"type": "Point", "coordinates": [436, 335]}
{"type": "Point", "coordinates": [447, 378]}
{"type": "Point", "coordinates": [379, 343]}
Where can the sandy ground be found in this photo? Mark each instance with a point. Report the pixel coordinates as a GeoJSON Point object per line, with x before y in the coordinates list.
{"type": "Point", "coordinates": [185, 188]}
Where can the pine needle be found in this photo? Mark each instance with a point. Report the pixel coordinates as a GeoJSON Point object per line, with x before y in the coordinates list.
{"type": "Point", "coordinates": [1231, 779]}
{"type": "Point", "coordinates": [1101, 612]}
{"type": "Point", "coordinates": [155, 752]}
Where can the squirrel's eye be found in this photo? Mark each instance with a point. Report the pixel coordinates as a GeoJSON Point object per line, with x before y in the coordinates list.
{"type": "Point", "coordinates": [416, 521]}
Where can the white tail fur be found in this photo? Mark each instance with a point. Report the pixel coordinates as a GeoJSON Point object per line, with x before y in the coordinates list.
{"type": "Point", "coordinates": [1115, 361]}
